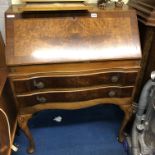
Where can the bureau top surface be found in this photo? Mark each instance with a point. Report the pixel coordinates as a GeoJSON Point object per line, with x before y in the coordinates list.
{"type": "Point", "coordinates": [71, 36]}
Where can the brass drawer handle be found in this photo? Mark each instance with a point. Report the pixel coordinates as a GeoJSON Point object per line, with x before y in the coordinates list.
{"type": "Point", "coordinates": [41, 99]}
{"type": "Point", "coordinates": [112, 93]}
{"type": "Point", "coordinates": [39, 85]}
{"type": "Point", "coordinates": [114, 78]}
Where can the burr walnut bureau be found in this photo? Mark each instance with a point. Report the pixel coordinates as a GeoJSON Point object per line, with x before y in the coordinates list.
{"type": "Point", "coordinates": [72, 60]}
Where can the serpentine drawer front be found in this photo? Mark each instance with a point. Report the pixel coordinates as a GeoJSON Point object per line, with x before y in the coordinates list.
{"type": "Point", "coordinates": [74, 81]}
{"type": "Point", "coordinates": [74, 95]}
{"type": "Point", "coordinates": [72, 60]}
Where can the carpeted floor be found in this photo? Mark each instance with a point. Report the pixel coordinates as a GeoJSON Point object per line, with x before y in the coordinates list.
{"type": "Point", "coordinates": [91, 131]}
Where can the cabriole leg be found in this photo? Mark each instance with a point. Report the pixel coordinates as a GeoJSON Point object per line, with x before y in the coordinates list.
{"type": "Point", "coordinates": [23, 124]}
{"type": "Point", "coordinates": [127, 115]}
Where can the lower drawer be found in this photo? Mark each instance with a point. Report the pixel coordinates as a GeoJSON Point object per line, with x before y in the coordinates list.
{"type": "Point", "coordinates": [74, 95]}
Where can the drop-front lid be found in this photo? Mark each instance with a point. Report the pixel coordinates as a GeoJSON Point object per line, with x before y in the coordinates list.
{"type": "Point", "coordinates": [71, 36]}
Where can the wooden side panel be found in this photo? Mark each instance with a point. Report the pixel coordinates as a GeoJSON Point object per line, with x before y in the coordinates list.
{"type": "Point", "coordinates": [145, 11]}
{"type": "Point", "coordinates": [74, 81]}
{"type": "Point", "coordinates": [8, 111]}
{"type": "Point", "coordinates": [2, 50]}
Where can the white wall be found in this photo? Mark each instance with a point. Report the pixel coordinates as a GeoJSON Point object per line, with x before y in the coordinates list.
{"type": "Point", "coordinates": [3, 7]}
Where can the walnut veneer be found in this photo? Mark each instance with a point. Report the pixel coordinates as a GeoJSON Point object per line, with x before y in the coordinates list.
{"type": "Point", "coordinates": [72, 60]}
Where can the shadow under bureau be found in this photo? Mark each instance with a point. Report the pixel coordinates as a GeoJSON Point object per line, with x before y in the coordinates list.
{"type": "Point", "coordinates": [72, 60]}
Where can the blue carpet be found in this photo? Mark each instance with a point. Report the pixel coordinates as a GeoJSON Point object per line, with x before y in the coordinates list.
{"type": "Point", "coordinates": [91, 131]}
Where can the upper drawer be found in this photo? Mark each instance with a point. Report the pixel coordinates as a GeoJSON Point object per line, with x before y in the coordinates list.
{"type": "Point", "coordinates": [74, 81]}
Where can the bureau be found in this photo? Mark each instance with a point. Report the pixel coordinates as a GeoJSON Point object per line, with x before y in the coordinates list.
{"type": "Point", "coordinates": [72, 60]}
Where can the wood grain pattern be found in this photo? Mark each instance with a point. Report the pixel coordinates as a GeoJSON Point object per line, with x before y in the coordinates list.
{"type": "Point", "coordinates": [23, 124]}
{"type": "Point", "coordinates": [7, 107]}
{"type": "Point", "coordinates": [74, 95]}
{"type": "Point", "coordinates": [72, 39]}
{"type": "Point", "coordinates": [54, 6]}
{"type": "Point", "coordinates": [21, 71]}
{"type": "Point", "coordinates": [70, 60]}
{"type": "Point", "coordinates": [74, 81]}
{"type": "Point", "coordinates": [3, 77]}
{"type": "Point", "coordinates": [74, 106]}
{"type": "Point", "coordinates": [145, 11]}
{"type": "Point", "coordinates": [2, 53]}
